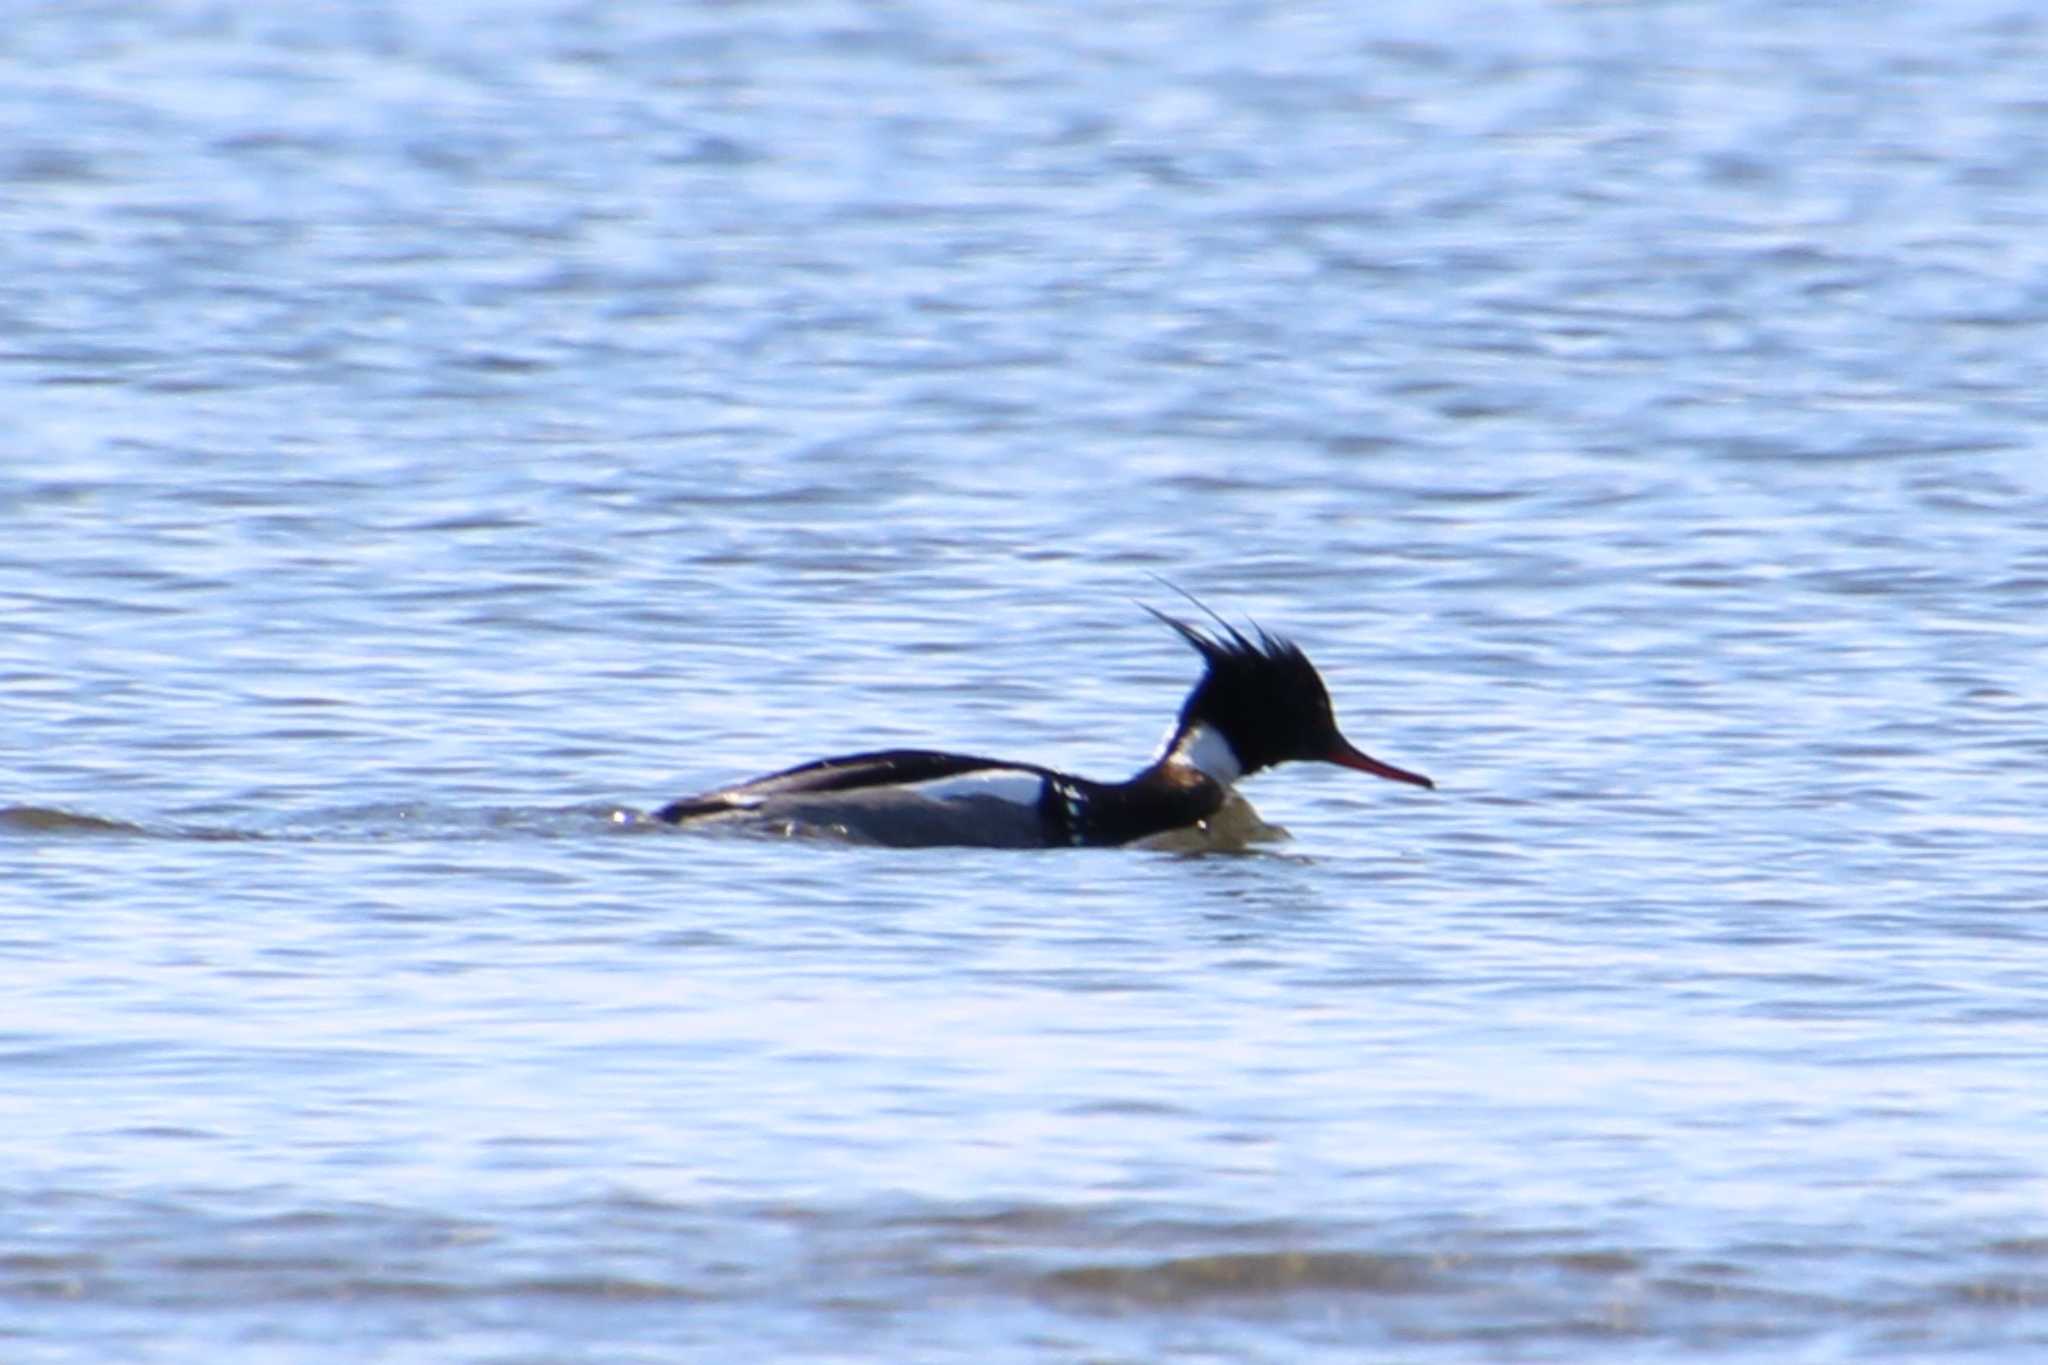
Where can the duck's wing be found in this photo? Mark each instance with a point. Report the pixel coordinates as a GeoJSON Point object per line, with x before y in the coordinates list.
{"type": "Point", "coordinates": [901, 768]}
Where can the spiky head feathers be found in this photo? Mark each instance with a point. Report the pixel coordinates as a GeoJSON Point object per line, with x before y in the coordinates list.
{"type": "Point", "coordinates": [1260, 692]}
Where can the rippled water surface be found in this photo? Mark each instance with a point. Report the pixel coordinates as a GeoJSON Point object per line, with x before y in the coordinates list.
{"type": "Point", "coordinates": [434, 435]}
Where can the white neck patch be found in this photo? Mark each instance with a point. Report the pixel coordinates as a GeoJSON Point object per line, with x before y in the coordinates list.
{"type": "Point", "coordinates": [1207, 750]}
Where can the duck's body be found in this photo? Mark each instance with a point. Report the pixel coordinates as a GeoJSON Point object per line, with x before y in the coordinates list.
{"type": "Point", "coordinates": [1259, 702]}
{"type": "Point", "coordinates": [920, 797]}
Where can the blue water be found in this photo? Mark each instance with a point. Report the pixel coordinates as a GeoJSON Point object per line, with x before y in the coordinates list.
{"type": "Point", "coordinates": [432, 436]}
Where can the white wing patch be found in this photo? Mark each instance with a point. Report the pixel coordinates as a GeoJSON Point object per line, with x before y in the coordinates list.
{"type": "Point", "coordinates": [1018, 786]}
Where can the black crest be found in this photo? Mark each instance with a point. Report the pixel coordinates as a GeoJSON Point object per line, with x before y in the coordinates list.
{"type": "Point", "coordinates": [1259, 690]}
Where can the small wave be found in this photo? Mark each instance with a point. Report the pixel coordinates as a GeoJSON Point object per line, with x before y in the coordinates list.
{"type": "Point", "coordinates": [1184, 1279]}
{"type": "Point", "coordinates": [386, 820]}
{"type": "Point", "coordinates": [391, 820]}
{"type": "Point", "coordinates": [53, 820]}
{"type": "Point", "coordinates": [50, 820]}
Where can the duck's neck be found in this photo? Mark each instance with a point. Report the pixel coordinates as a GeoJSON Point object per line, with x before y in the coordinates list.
{"type": "Point", "coordinates": [1202, 747]}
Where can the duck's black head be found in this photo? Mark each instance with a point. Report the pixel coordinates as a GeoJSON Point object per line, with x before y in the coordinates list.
{"type": "Point", "coordinates": [1262, 697]}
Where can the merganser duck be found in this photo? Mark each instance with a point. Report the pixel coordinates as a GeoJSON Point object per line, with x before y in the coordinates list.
{"type": "Point", "coordinates": [1259, 702]}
